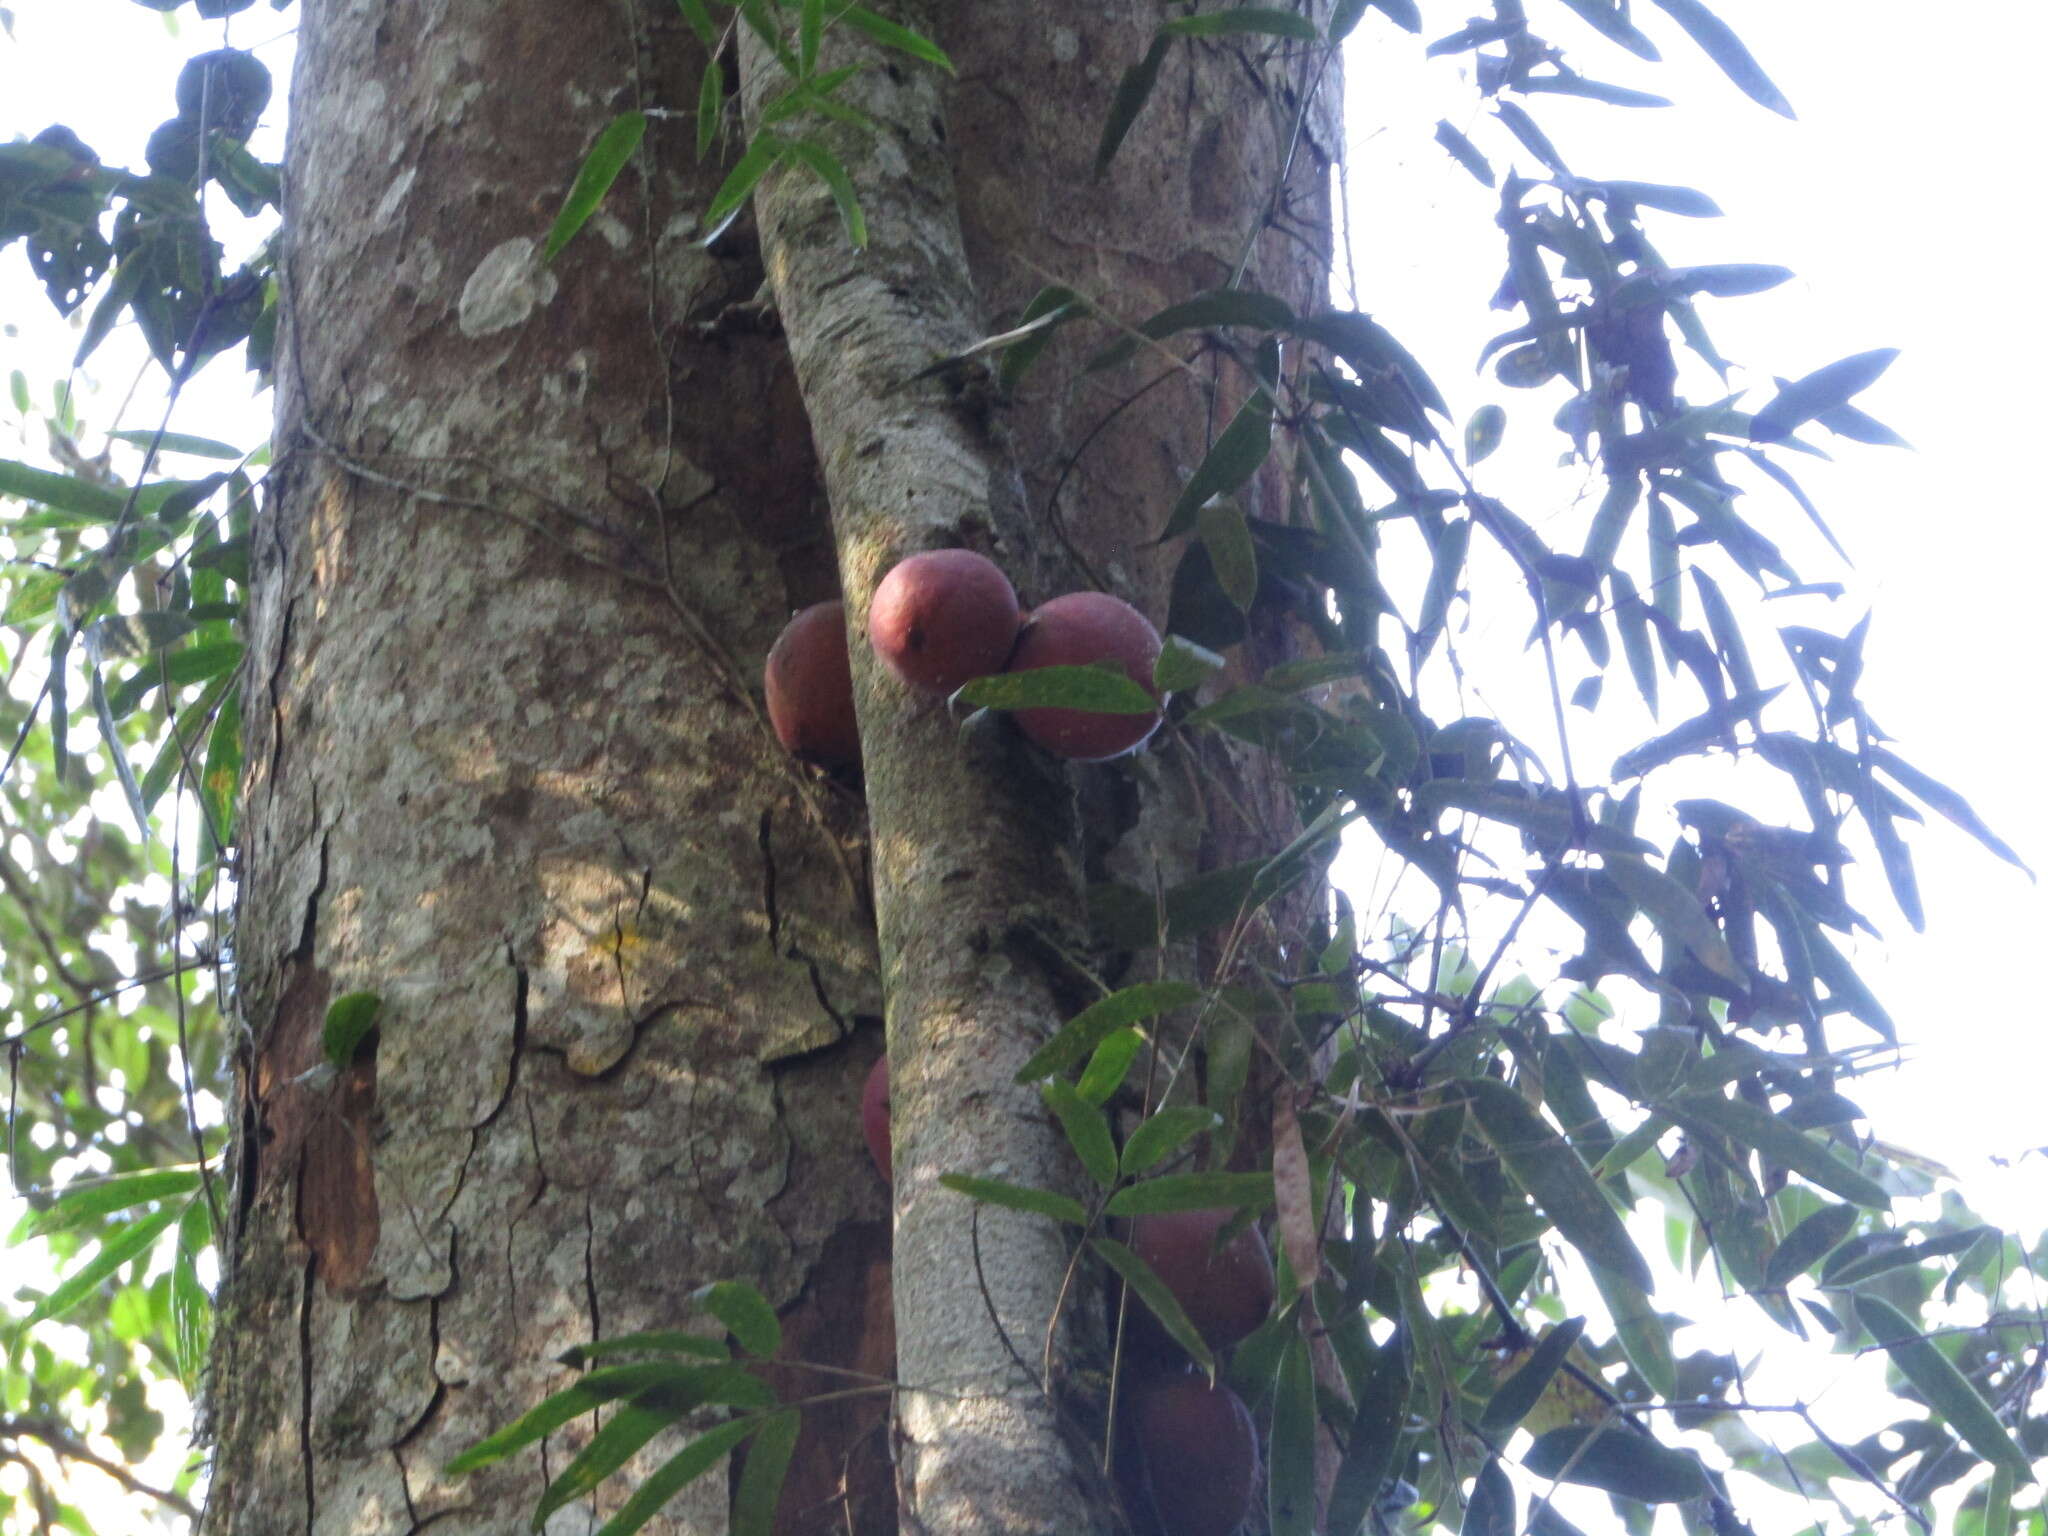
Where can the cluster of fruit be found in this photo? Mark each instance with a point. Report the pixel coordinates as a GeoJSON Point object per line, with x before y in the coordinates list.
{"type": "Point", "coordinates": [944, 618]}
{"type": "Point", "coordinates": [1198, 1453]}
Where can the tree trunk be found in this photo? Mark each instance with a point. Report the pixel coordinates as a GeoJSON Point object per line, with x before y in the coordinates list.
{"type": "Point", "coordinates": [533, 529]}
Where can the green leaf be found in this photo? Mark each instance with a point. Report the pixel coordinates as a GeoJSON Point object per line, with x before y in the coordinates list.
{"type": "Point", "coordinates": [117, 751]}
{"type": "Point", "coordinates": [1675, 912]}
{"type": "Point", "coordinates": [1051, 307]}
{"type": "Point", "coordinates": [1164, 1133]}
{"type": "Point", "coordinates": [809, 28]}
{"type": "Point", "coordinates": [1344, 16]}
{"type": "Point", "coordinates": [745, 1313]}
{"type": "Point", "coordinates": [675, 1474]}
{"type": "Point", "coordinates": [827, 168]}
{"type": "Point", "coordinates": [117, 1247]}
{"type": "Point", "coordinates": [1947, 1390]}
{"type": "Point", "coordinates": [1109, 1066]}
{"type": "Point", "coordinates": [1822, 390]}
{"type": "Point", "coordinates": [1239, 451]}
{"type": "Point", "coordinates": [60, 492]}
{"type": "Point", "coordinates": [179, 442]}
{"type": "Point", "coordinates": [350, 1018]}
{"type": "Point", "coordinates": [1087, 1129]}
{"type": "Point", "coordinates": [683, 1386]}
{"type": "Point", "coordinates": [1754, 1128]}
{"type": "Point", "coordinates": [1447, 569]}
{"type": "Point", "coordinates": [1649, 194]}
{"type": "Point", "coordinates": [659, 1341]}
{"type": "Point", "coordinates": [1943, 800]}
{"type": "Point", "coordinates": [700, 22]}
{"type": "Point", "coordinates": [601, 167]}
{"type": "Point", "coordinates": [760, 1490]}
{"type": "Point", "coordinates": [1619, 1461]}
{"type": "Point", "coordinates": [1017, 1197]}
{"type": "Point", "coordinates": [1153, 1294]}
{"type": "Point", "coordinates": [1544, 1164]}
{"type": "Point", "coordinates": [1883, 1260]}
{"type": "Point", "coordinates": [1183, 665]}
{"type": "Point", "coordinates": [1726, 49]}
{"type": "Point", "coordinates": [1377, 1419]}
{"type": "Point", "coordinates": [632, 1424]}
{"type": "Point", "coordinates": [1132, 92]}
{"type": "Point", "coordinates": [1808, 1243]}
{"type": "Point", "coordinates": [1102, 687]}
{"type": "Point", "coordinates": [1221, 526]}
{"type": "Point", "coordinates": [1491, 1509]}
{"type": "Point", "coordinates": [710, 106]}
{"type": "Point", "coordinates": [1193, 1192]}
{"type": "Point", "coordinates": [1098, 1021]}
{"type": "Point", "coordinates": [1244, 18]}
{"type": "Point", "coordinates": [1513, 1398]}
{"type": "Point", "coordinates": [91, 1198]}
{"type": "Point", "coordinates": [739, 184]}
{"type": "Point", "coordinates": [1372, 351]}
{"type": "Point", "coordinates": [886, 32]}
{"type": "Point", "coordinates": [1291, 1446]}
{"type": "Point", "coordinates": [1483, 432]}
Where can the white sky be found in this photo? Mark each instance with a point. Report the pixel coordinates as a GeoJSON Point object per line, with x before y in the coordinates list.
{"type": "Point", "coordinates": [1900, 199]}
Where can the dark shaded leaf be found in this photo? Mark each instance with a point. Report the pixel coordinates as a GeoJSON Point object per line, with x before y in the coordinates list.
{"type": "Point", "coordinates": [1244, 19]}
{"type": "Point", "coordinates": [1376, 1422]}
{"type": "Point", "coordinates": [1726, 49]}
{"type": "Point", "coordinates": [1465, 152]}
{"type": "Point", "coordinates": [1490, 1511]}
{"type": "Point", "coordinates": [1619, 1461]}
{"type": "Point", "coordinates": [1822, 390]}
{"type": "Point", "coordinates": [1291, 1445]}
{"type": "Point", "coordinates": [760, 1490]}
{"type": "Point", "coordinates": [1132, 92]}
{"type": "Point", "coordinates": [1483, 432]}
{"type": "Point", "coordinates": [658, 1341]}
{"type": "Point", "coordinates": [1946, 1389]}
{"type": "Point", "coordinates": [890, 35]}
{"type": "Point", "coordinates": [1727, 280]}
{"type": "Point", "coordinates": [1239, 451]}
{"type": "Point", "coordinates": [1943, 799]}
{"type": "Point", "coordinates": [1810, 1242]}
{"type": "Point", "coordinates": [1152, 1293]}
{"type": "Point", "coordinates": [1221, 526]}
{"type": "Point", "coordinates": [1753, 1128]}
{"type": "Point", "coordinates": [1649, 194]}
{"type": "Point", "coordinates": [1611, 22]}
{"type": "Point", "coordinates": [1371, 350]}
{"type": "Point", "coordinates": [1513, 1398]}
{"type": "Point", "coordinates": [675, 1474]}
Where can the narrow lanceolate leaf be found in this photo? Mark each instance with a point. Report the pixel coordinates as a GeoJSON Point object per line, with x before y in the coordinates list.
{"type": "Point", "coordinates": [1376, 1423]}
{"type": "Point", "coordinates": [62, 493]}
{"type": "Point", "coordinates": [745, 1313]}
{"type": "Point", "coordinates": [1087, 1129]}
{"type": "Point", "coordinates": [1205, 311]}
{"type": "Point", "coordinates": [1727, 50]}
{"type": "Point", "coordinates": [710, 106]}
{"type": "Point", "coordinates": [1132, 92]}
{"type": "Point", "coordinates": [1810, 1242]}
{"type": "Point", "coordinates": [1109, 1065]}
{"type": "Point", "coordinates": [1233, 557]}
{"type": "Point", "coordinates": [118, 1247]}
{"type": "Point", "coordinates": [1243, 19]}
{"type": "Point", "coordinates": [117, 751]}
{"type": "Point", "coordinates": [1688, 201]}
{"type": "Point", "coordinates": [1643, 1336]}
{"type": "Point", "coordinates": [1291, 1447]}
{"type": "Point", "coordinates": [601, 167]}
{"type": "Point", "coordinates": [700, 22]}
{"type": "Point", "coordinates": [1096, 1023]}
{"type": "Point", "coordinates": [1017, 1197]}
{"type": "Point", "coordinates": [739, 184]}
{"type": "Point", "coordinates": [1675, 912]}
{"type": "Point", "coordinates": [886, 32]}
{"type": "Point", "coordinates": [1757, 1129]}
{"type": "Point", "coordinates": [1609, 20]}
{"type": "Point", "coordinates": [1728, 280]}
{"type": "Point", "coordinates": [760, 1490]}
{"type": "Point", "coordinates": [1344, 16]}
{"type": "Point", "coordinates": [826, 167]}
{"type": "Point", "coordinates": [1513, 1398]}
{"type": "Point", "coordinates": [1192, 1192]}
{"type": "Point", "coordinates": [658, 1341]}
{"type": "Point", "coordinates": [1183, 665]}
{"type": "Point", "coordinates": [686, 1385]}
{"type": "Point", "coordinates": [1166, 1132]}
{"type": "Point", "coordinates": [94, 1198]}
{"type": "Point", "coordinates": [1943, 799]}
{"type": "Point", "coordinates": [1822, 390]}
{"type": "Point", "coordinates": [631, 1425]}
{"type": "Point", "coordinates": [1238, 453]}
{"type": "Point", "coordinates": [1297, 1219]}
{"type": "Point", "coordinates": [1465, 152]}
{"type": "Point", "coordinates": [1447, 569]}
{"type": "Point", "coordinates": [1619, 1460]}
{"type": "Point", "coordinates": [1546, 1166]}
{"type": "Point", "coordinates": [1946, 1389]}
{"type": "Point", "coordinates": [676, 1474]}
{"type": "Point", "coordinates": [1151, 1292]}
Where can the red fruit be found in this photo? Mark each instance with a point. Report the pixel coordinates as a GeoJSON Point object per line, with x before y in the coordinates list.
{"type": "Point", "coordinates": [1200, 1453]}
{"type": "Point", "coordinates": [1074, 631]}
{"type": "Point", "coordinates": [874, 1118]}
{"type": "Point", "coordinates": [944, 618]}
{"type": "Point", "coordinates": [809, 683]}
{"type": "Point", "coordinates": [1226, 1293]}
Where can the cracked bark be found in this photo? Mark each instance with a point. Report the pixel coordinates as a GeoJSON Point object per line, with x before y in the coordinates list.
{"type": "Point", "coordinates": [530, 535]}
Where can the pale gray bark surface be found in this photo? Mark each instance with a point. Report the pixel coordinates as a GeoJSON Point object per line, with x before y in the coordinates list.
{"type": "Point", "coordinates": [533, 530]}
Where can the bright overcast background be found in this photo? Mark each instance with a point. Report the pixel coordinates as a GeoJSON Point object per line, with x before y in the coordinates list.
{"type": "Point", "coordinates": [1899, 198]}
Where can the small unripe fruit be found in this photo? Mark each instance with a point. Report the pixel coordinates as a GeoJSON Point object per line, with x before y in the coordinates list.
{"type": "Point", "coordinates": [874, 1118]}
{"type": "Point", "coordinates": [944, 618]}
{"type": "Point", "coordinates": [809, 684]}
{"type": "Point", "coordinates": [1226, 1293]}
{"type": "Point", "coordinates": [1200, 1453]}
{"type": "Point", "coordinates": [1075, 631]}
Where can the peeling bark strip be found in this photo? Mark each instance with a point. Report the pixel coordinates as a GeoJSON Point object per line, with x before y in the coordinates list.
{"type": "Point", "coordinates": [976, 838]}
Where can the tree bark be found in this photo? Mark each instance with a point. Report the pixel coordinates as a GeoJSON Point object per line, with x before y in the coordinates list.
{"type": "Point", "coordinates": [532, 530]}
